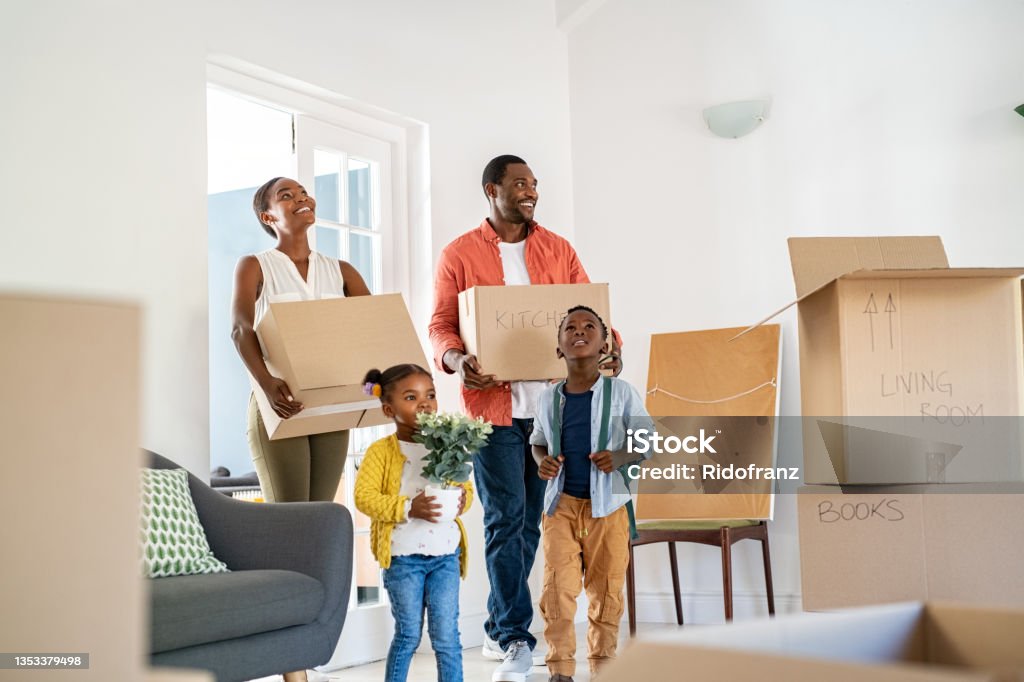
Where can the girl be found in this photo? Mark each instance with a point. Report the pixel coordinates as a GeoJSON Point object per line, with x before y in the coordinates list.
{"type": "Point", "coordinates": [421, 557]}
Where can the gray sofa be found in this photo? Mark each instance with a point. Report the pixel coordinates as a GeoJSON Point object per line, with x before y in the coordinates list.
{"type": "Point", "coordinates": [282, 606]}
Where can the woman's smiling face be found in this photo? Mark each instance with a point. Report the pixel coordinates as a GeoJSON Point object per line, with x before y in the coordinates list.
{"type": "Point", "coordinates": [289, 207]}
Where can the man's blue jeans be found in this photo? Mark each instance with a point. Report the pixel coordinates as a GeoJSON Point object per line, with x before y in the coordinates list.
{"type": "Point", "coordinates": [415, 582]}
{"type": "Point", "coordinates": [512, 496]}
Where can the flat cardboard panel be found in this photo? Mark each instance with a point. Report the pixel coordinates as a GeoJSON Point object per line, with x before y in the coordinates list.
{"type": "Point", "coordinates": [322, 349]}
{"type": "Point", "coordinates": [907, 542]}
{"type": "Point", "coordinates": [69, 480]}
{"type": "Point", "coordinates": [513, 330]}
{"type": "Point", "coordinates": [819, 260]}
{"type": "Point", "coordinates": [895, 642]}
{"type": "Point", "coordinates": [706, 374]}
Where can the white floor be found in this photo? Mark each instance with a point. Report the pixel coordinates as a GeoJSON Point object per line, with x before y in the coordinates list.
{"type": "Point", "coordinates": [476, 668]}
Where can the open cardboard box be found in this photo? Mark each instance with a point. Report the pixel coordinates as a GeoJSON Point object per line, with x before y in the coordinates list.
{"type": "Point", "coordinates": [323, 349]}
{"type": "Point", "coordinates": [909, 642]}
{"type": "Point", "coordinates": [950, 542]}
{"type": "Point", "coordinates": [513, 330]}
{"type": "Point", "coordinates": [888, 329]}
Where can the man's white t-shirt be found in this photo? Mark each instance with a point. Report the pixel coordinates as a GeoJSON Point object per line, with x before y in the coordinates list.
{"type": "Point", "coordinates": [524, 393]}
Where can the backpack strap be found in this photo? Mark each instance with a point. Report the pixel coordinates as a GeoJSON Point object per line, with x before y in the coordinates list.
{"type": "Point", "coordinates": [602, 444]}
{"type": "Point", "coordinates": [556, 421]}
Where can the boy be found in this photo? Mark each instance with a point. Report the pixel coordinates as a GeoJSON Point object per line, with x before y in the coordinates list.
{"type": "Point", "coordinates": [579, 440]}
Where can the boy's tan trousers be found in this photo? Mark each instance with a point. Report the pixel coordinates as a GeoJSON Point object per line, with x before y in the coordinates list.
{"type": "Point", "coordinates": [579, 549]}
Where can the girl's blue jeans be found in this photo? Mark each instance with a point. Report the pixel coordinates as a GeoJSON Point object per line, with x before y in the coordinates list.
{"type": "Point", "coordinates": [418, 583]}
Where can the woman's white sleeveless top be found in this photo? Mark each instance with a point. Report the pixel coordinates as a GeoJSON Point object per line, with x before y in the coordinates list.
{"type": "Point", "coordinates": [282, 283]}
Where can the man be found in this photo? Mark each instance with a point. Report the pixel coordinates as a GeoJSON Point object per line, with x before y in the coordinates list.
{"type": "Point", "coordinates": [507, 248]}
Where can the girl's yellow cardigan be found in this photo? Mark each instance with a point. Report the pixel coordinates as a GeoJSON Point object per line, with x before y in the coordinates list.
{"type": "Point", "coordinates": [377, 486]}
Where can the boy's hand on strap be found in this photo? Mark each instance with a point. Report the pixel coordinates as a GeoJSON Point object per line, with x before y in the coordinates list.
{"type": "Point", "coordinates": [423, 507]}
{"type": "Point", "coordinates": [603, 461]}
{"type": "Point", "coordinates": [549, 467]}
{"type": "Point", "coordinates": [462, 502]}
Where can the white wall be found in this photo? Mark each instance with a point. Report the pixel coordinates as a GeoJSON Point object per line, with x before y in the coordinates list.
{"type": "Point", "coordinates": [104, 162]}
{"type": "Point", "coordinates": [887, 118]}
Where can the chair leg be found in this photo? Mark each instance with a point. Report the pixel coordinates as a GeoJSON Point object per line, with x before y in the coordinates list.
{"type": "Point", "coordinates": [631, 593]}
{"type": "Point", "coordinates": [768, 574]}
{"type": "Point", "coordinates": [675, 581]}
{"type": "Point", "coordinates": [727, 572]}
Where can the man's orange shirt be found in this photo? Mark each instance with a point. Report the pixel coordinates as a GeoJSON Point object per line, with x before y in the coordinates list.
{"type": "Point", "coordinates": [474, 259]}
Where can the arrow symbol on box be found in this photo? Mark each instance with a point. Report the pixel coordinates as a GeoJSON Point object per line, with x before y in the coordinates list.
{"type": "Point", "coordinates": [890, 308]}
{"type": "Point", "coordinates": [871, 309]}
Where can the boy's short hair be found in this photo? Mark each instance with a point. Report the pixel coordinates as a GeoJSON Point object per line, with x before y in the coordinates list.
{"type": "Point", "coordinates": [577, 308]}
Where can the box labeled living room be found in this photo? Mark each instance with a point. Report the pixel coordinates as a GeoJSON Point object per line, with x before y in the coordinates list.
{"type": "Point", "coordinates": [910, 371]}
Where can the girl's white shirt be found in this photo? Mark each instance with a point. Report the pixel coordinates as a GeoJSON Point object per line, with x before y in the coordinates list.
{"type": "Point", "coordinates": [416, 536]}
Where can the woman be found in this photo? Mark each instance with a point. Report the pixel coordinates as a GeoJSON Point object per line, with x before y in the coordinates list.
{"type": "Point", "coordinates": [307, 467]}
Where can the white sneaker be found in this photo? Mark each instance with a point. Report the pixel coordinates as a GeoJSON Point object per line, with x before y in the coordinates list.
{"type": "Point", "coordinates": [492, 649]}
{"type": "Point", "coordinates": [517, 663]}
{"type": "Point", "coordinates": [316, 676]}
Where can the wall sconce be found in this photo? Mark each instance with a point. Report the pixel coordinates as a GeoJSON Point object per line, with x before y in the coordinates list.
{"type": "Point", "coordinates": [736, 119]}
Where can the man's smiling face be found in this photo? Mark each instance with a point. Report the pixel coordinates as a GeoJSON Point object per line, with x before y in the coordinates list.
{"type": "Point", "coordinates": [515, 196]}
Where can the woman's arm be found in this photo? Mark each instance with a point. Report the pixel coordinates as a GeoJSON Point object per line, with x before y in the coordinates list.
{"type": "Point", "coordinates": [248, 281]}
{"type": "Point", "coordinates": [354, 284]}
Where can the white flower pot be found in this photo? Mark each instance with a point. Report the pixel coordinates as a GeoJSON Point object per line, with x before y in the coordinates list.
{"type": "Point", "coordinates": [448, 498]}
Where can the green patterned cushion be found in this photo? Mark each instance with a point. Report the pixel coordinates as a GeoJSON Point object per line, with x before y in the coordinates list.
{"type": "Point", "coordinates": [173, 540]}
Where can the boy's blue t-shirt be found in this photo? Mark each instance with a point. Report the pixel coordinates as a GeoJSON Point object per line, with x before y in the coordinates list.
{"type": "Point", "coordinates": [576, 444]}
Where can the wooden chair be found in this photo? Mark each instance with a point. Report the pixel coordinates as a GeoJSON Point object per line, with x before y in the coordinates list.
{"type": "Point", "coordinates": [717, 533]}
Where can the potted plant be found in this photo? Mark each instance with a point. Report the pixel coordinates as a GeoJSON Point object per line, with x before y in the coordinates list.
{"type": "Point", "coordinates": [451, 441]}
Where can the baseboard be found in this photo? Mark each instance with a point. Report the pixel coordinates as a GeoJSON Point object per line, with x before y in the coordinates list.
{"type": "Point", "coordinates": [705, 608]}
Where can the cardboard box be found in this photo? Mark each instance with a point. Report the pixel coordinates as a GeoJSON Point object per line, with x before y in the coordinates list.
{"type": "Point", "coordinates": [513, 330]}
{"type": "Point", "coordinates": [705, 376]}
{"type": "Point", "coordinates": [323, 349]}
{"type": "Point", "coordinates": [888, 329]}
{"type": "Point", "coordinates": [69, 485]}
{"type": "Point", "coordinates": [958, 542]}
{"type": "Point", "coordinates": [929, 642]}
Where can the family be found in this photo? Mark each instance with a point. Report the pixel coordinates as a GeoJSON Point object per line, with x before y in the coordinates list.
{"type": "Point", "coordinates": [546, 473]}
